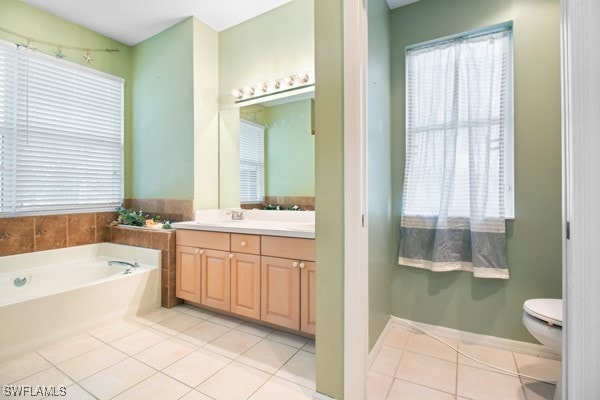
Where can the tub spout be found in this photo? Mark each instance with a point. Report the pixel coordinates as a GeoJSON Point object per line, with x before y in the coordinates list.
{"type": "Point", "coordinates": [128, 265]}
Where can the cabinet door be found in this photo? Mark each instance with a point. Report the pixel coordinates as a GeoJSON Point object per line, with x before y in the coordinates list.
{"type": "Point", "coordinates": [308, 315]}
{"type": "Point", "coordinates": [215, 279]}
{"type": "Point", "coordinates": [188, 273]}
{"type": "Point", "coordinates": [245, 285]}
{"type": "Point", "coordinates": [280, 292]}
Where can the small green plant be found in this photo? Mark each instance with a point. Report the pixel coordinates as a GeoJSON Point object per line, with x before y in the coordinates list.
{"type": "Point", "coordinates": [131, 217]}
{"type": "Point", "coordinates": [138, 218]}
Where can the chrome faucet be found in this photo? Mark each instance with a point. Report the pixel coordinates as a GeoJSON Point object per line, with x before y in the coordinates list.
{"type": "Point", "coordinates": [128, 265]}
{"type": "Point", "coordinates": [236, 215]}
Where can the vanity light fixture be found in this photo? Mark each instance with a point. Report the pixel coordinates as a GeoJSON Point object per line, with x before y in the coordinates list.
{"type": "Point", "coordinates": [290, 82]}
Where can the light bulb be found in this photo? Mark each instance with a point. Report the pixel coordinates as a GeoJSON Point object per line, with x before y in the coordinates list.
{"type": "Point", "coordinates": [249, 90]}
{"type": "Point", "coordinates": [275, 83]}
{"type": "Point", "coordinates": [289, 80]}
{"type": "Point", "coordinates": [263, 87]}
{"type": "Point", "coordinates": [237, 94]}
{"type": "Point", "coordinates": [303, 77]}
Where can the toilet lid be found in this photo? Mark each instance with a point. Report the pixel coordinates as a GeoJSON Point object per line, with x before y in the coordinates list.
{"type": "Point", "coordinates": [549, 310]}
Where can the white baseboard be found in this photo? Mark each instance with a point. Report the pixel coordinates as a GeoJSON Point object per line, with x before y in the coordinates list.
{"type": "Point", "coordinates": [375, 351]}
{"type": "Point", "coordinates": [475, 338]}
{"type": "Point", "coordinates": [321, 396]}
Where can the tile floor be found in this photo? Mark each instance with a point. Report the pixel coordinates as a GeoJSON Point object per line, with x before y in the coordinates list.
{"type": "Point", "coordinates": [411, 365]}
{"type": "Point", "coordinates": [182, 353]}
{"type": "Point", "coordinates": [191, 354]}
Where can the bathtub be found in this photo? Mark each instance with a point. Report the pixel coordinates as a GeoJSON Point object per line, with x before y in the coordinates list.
{"type": "Point", "coordinates": [52, 295]}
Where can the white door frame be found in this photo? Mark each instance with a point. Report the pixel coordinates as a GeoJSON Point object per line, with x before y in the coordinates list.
{"type": "Point", "coordinates": [356, 239]}
{"type": "Point", "coordinates": [581, 196]}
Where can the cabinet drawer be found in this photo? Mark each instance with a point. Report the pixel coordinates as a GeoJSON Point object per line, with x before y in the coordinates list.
{"type": "Point", "coordinates": [245, 243]}
{"type": "Point", "coordinates": [294, 248]}
{"type": "Point", "coordinates": [203, 239]}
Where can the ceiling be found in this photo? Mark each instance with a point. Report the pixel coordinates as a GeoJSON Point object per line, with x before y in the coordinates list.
{"type": "Point", "coordinates": [133, 21]}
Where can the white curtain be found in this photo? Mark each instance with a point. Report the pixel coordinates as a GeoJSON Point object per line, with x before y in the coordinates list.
{"type": "Point", "coordinates": [458, 118]}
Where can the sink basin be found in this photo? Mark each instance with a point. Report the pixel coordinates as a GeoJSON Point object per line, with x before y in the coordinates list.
{"type": "Point", "coordinates": [302, 226]}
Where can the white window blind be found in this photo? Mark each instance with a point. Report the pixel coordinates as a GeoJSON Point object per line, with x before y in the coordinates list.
{"type": "Point", "coordinates": [62, 135]}
{"type": "Point", "coordinates": [459, 154]}
{"type": "Point", "coordinates": [252, 162]}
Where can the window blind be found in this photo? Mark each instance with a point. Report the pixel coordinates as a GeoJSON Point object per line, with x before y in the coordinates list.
{"type": "Point", "coordinates": [63, 138]}
{"type": "Point", "coordinates": [252, 164]}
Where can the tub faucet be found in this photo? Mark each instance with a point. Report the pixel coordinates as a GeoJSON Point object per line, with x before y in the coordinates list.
{"type": "Point", "coordinates": [128, 265]}
{"type": "Point", "coordinates": [236, 215]}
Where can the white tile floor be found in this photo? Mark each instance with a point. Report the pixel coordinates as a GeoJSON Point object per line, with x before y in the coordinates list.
{"type": "Point", "coordinates": [182, 353]}
{"type": "Point", "coordinates": [411, 365]}
{"type": "Point", "coordinates": [191, 354]}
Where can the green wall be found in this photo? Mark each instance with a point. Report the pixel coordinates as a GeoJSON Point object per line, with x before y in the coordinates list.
{"type": "Point", "coordinates": [19, 17]}
{"type": "Point", "coordinates": [270, 46]}
{"type": "Point", "coordinates": [275, 44]}
{"type": "Point", "coordinates": [379, 169]}
{"type": "Point", "coordinates": [163, 115]}
{"type": "Point", "coordinates": [456, 299]}
{"type": "Point", "coordinates": [329, 136]}
{"type": "Point", "coordinates": [290, 150]}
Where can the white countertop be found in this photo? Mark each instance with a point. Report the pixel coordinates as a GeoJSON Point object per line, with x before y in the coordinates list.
{"type": "Point", "coordinates": [256, 222]}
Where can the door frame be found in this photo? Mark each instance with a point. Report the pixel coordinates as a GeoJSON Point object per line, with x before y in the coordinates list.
{"type": "Point", "coordinates": [580, 70]}
{"type": "Point", "coordinates": [356, 236]}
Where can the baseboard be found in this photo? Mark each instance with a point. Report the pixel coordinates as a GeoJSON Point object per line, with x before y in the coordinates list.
{"type": "Point", "coordinates": [475, 338]}
{"type": "Point", "coordinates": [321, 396]}
{"type": "Point", "coordinates": [380, 340]}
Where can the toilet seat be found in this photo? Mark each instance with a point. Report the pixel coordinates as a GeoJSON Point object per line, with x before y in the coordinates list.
{"type": "Point", "coordinates": [547, 310]}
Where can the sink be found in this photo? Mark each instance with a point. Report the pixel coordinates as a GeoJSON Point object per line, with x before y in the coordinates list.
{"type": "Point", "coordinates": [302, 226]}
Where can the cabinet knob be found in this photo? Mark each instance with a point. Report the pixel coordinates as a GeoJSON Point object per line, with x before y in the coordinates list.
{"type": "Point", "coordinates": [200, 251]}
{"type": "Point", "coordinates": [295, 264]}
{"type": "Point", "coordinates": [302, 265]}
{"type": "Point", "coordinates": [197, 251]}
{"type": "Point", "coordinates": [231, 255]}
{"type": "Point", "coordinates": [243, 244]}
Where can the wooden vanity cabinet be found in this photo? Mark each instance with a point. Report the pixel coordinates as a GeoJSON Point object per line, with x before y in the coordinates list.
{"type": "Point", "coordinates": [268, 278]}
{"type": "Point", "coordinates": [308, 291]}
{"type": "Point", "coordinates": [245, 275]}
{"type": "Point", "coordinates": [216, 290]}
{"type": "Point", "coordinates": [187, 273]}
{"type": "Point", "coordinates": [288, 282]}
{"type": "Point", "coordinates": [280, 287]}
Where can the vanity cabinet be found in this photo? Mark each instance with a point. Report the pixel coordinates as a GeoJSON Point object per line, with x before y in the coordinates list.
{"type": "Point", "coordinates": [224, 273]}
{"type": "Point", "coordinates": [188, 273]}
{"type": "Point", "coordinates": [288, 282]}
{"type": "Point", "coordinates": [216, 279]}
{"type": "Point", "coordinates": [245, 275]}
{"type": "Point", "coordinates": [267, 278]}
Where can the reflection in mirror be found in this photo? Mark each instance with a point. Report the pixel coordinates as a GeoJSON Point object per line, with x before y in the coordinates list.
{"type": "Point", "coordinates": [267, 156]}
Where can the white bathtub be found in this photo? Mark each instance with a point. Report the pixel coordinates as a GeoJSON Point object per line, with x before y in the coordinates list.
{"type": "Point", "coordinates": [70, 291]}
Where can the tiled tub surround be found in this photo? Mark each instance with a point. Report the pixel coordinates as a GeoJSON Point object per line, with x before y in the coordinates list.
{"type": "Point", "coordinates": [174, 210]}
{"type": "Point", "coordinates": [20, 235]}
{"type": "Point", "coordinates": [159, 239]}
{"type": "Point", "coordinates": [69, 291]}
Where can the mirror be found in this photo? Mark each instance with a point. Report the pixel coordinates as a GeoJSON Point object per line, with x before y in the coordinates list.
{"type": "Point", "coordinates": [289, 152]}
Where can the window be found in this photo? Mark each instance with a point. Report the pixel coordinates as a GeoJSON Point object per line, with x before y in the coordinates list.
{"type": "Point", "coordinates": [459, 129]}
{"type": "Point", "coordinates": [252, 162]}
{"type": "Point", "coordinates": [61, 135]}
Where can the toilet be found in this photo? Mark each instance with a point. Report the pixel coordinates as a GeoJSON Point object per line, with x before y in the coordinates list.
{"type": "Point", "coordinates": [543, 319]}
